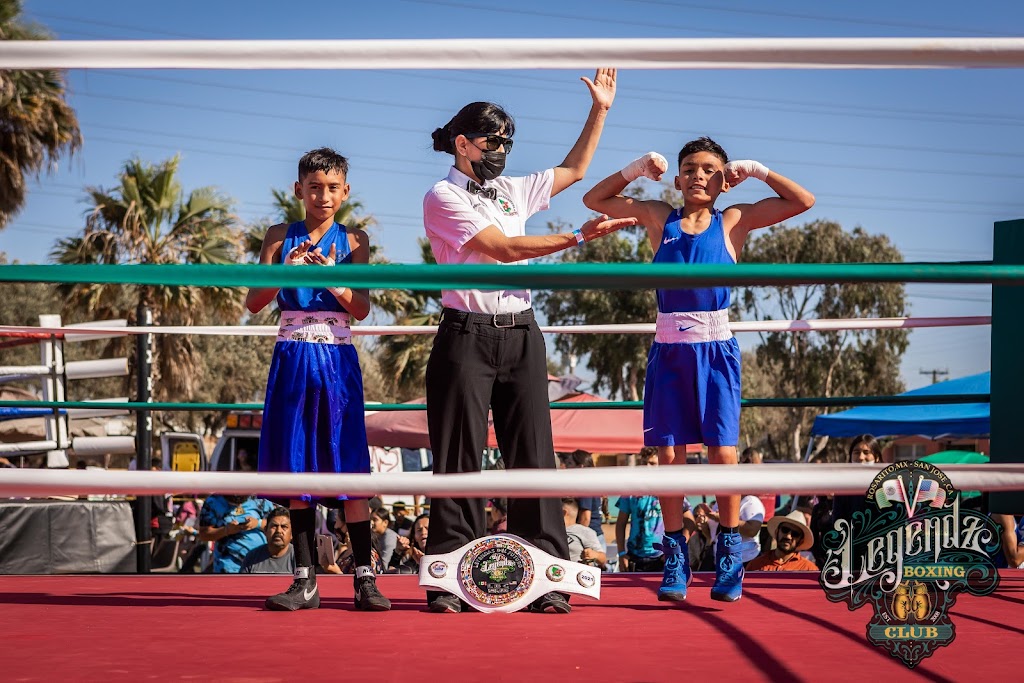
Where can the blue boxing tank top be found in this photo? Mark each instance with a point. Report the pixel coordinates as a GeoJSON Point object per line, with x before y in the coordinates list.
{"type": "Point", "coordinates": [309, 298]}
{"type": "Point", "coordinates": [705, 247]}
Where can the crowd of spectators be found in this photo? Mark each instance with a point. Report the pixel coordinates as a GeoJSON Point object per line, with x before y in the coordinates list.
{"type": "Point", "coordinates": [239, 534]}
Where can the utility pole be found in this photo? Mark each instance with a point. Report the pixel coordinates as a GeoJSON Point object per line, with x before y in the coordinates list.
{"type": "Point", "coordinates": [936, 373]}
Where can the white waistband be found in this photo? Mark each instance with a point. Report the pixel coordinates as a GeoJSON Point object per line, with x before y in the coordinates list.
{"type": "Point", "coordinates": [316, 327]}
{"type": "Point", "coordinates": [691, 327]}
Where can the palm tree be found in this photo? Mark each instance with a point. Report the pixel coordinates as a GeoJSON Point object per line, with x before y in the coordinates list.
{"type": "Point", "coordinates": [148, 219]}
{"type": "Point", "coordinates": [403, 358]}
{"type": "Point", "coordinates": [36, 125]}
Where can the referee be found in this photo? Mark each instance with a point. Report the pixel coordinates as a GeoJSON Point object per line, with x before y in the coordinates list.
{"type": "Point", "coordinates": [489, 351]}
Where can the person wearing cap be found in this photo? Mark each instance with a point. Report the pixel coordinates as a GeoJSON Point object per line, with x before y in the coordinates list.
{"type": "Point", "coordinates": [791, 536]}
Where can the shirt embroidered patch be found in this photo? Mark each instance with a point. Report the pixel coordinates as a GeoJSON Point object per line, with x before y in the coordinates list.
{"type": "Point", "coordinates": [507, 207]}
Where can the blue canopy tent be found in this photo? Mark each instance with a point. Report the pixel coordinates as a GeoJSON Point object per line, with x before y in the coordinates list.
{"type": "Point", "coordinates": [934, 421]}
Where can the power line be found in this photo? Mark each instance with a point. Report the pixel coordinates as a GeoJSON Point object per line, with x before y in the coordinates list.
{"type": "Point", "coordinates": [817, 17]}
{"type": "Point", "coordinates": [575, 18]}
{"type": "Point", "coordinates": [844, 110]}
{"type": "Point", "coordinates": [633, 93]}
{"type": "Point", "coordinates": [107, 24]}
{"type": "Point", "coordinates": [576, 122]}
{"type": "Point", "coordinates": [561, 144]}
{"type": "Point", "coordinates": [191, 136]}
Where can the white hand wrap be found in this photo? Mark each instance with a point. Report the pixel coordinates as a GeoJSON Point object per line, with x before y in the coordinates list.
{"type": "Point", "coordinates": [746, 168]}
{"type": "Point", "coordinates": [336, 291]}
{"type": "Point", "coordinates": [647, 166]}
{"type": "Point", "coordinates": [293, 259]}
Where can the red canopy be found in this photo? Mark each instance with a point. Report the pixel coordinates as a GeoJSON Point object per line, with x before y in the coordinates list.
{"type": "Point", "coordinates": [602, 430]}
{"type": "Point", "coordinates": [398, 428]}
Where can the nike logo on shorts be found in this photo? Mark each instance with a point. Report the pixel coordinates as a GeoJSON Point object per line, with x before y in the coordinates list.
{"type": "Point", "coordinates": [684, 329]}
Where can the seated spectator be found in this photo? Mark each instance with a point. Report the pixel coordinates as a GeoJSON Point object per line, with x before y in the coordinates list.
{"type": "Point", "coordinates": [700, 545]}
{"type": "Point", "coordinates": [414, 548]}
{"type": "Point", "coordinates": [187, 512]}
{"type": "Point", "coordinates": [751, 456]}
{"type": "Point", "coordinates": [791, 536]}
{"type": "Point", "coordinates": [402, 525]}
{"type": "Point", "coordinates": [584, 545]}
{"type": "Point", "coordinates": [863, 450]}
{"type": "Point", "coordinates": [1012, 540]}
{"type": "Point", "coordinates": [278, 555]}
{"type": "Point", "coordinates": [384, 538]}
{"type": "Point", "coordinates": [590, 507]}
{"type": "Point", "coordinates": [235, 525]}
{"type": "Point", "coordinates": [497, 512]}
{"type": "Point", "coordinates": [636, 550]}
{"type": "Point", "coordinates": [821, 524]}
{"type": "Point", "coordinates": [343, 560]}
{"type": "Point", "coordinates": [751, 519]}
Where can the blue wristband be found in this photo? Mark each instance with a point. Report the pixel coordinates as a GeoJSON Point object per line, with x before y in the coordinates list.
{"type": "Point", "coordinates": [580, 239]}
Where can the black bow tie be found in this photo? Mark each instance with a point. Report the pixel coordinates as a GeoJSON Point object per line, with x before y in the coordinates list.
{"type": "Point", "coordinates": [475, 188]}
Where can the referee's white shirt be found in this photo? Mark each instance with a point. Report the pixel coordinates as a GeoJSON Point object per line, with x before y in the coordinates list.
{"type": "Point", "coordinates": [452, 216]}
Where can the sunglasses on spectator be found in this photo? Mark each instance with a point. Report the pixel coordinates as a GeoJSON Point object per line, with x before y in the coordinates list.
{"type": "Point", "coordinates": [791, 531]}
{"type": "Point", "coordinates": [492, 141]}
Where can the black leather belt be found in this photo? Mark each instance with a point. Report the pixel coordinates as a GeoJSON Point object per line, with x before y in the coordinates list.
{"type": "Point", "coordinates": [519, 319]}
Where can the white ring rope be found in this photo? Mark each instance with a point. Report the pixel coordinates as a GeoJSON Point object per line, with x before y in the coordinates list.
{"type": "Point", "coordinates": [630, 328]}
{"type": "Point", "coordinates": [517, 53]}
{"type": "Point", "coordinates": [667, 480]}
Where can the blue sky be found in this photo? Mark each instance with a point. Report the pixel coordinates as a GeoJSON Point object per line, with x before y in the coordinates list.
{"type": "Point", "coordinates": [930, 158]}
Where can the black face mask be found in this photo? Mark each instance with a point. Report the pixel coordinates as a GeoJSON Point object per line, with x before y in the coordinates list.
{"type": "Point", "coordinates": [490, 166]}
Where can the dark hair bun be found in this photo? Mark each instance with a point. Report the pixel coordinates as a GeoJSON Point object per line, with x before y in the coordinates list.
{"type": "Point", "coordinates": [443, 139]}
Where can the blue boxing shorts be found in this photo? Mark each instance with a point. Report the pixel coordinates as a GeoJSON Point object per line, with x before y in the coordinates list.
{"type": "Point", "coordinates": [313, 419]}
{"type": "Point", "coordinates": [692, 394]}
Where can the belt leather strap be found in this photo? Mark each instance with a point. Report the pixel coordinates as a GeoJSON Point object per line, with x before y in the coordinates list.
{"type": "Point", "coordinates": [517, 319]}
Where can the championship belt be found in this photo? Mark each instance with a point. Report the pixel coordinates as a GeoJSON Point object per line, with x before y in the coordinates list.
{"type": "Point", "coordinates": [505, 573]}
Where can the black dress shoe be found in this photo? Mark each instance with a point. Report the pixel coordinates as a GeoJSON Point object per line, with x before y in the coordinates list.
{"type": "Point", "coordinates": [446, 602]}
{"type": "Point", "coordinates": [554, 603]}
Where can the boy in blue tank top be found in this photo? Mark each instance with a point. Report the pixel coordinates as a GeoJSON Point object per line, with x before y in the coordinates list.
{"type": "Point", "coordinates": [313, 413]}
{"type": "Point", "coordinates": [692, 393]}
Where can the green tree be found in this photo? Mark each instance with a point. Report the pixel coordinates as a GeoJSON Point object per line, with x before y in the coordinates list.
{"type": "Point", "coordinates": [805, 364]}
{"type": "Point", "coordinates": [21, 304]}
{"type": "Point", "coordinates": [37, 126]}
{"type": "Point", "coordinates": [148, 219]}
{"type": "Point", "coordinates": [232, 370]}
{"type": "Point", "coordinates": [618, 361]}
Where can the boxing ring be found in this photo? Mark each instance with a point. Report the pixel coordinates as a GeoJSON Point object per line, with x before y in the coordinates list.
{"type": "Point", "coordinates": [176, 627]}
{"type": "Point", "coordinates": [120, 628]}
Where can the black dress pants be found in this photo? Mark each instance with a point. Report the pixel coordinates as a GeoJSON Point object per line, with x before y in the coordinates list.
{"type": "Point", "coordinates": [474, 365]}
